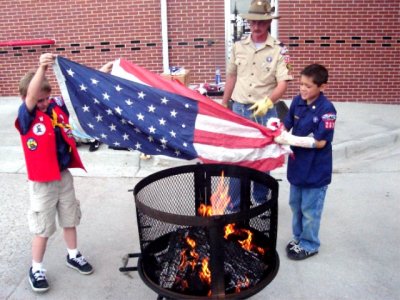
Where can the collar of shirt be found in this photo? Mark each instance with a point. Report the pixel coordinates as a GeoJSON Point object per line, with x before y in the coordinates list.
{"type": "Point", "coordinates": [315, 103]}
{"type": "Point", "coordinates": [270, 41]}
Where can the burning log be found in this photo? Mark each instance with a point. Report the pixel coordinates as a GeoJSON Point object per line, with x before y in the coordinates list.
{"type": "Point", "coordinates": [184, 264]}
{"type": "Point", "coordinates": [242, 268]}
{"type": "Point", "coordinates": [186, 249]}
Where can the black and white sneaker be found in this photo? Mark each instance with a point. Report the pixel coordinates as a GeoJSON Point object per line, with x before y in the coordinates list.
{"type": "Point", "coordinates": [298, 253]}
{"type": "Point", "coordinates": [291, 244]}
{"type": "Point", "coordinates": [94, 146]}
{"type": "Point", "coordinates": [80, 264]}
{"type": "Point", "coordinates": [38, 281]}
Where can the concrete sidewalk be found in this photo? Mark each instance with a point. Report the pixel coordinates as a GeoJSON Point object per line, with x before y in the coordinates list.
{"type": "Point", "coordinates": [360, 236]}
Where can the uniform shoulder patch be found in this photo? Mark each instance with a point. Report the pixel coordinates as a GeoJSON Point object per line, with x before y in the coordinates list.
{"type": "Point", "coordinates": [285, 55]}
{"type": "Point", "coordinates": [329, 120]}
{"type": "Point", "coordinates": [284, 49]}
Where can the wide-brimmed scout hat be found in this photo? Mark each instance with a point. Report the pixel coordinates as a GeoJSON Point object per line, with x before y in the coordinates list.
{"type": "Point", "coordinates": [260, 10]}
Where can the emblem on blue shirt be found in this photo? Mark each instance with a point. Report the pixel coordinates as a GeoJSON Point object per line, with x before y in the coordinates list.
{"type": "Point", "coordinates": [315, 119]}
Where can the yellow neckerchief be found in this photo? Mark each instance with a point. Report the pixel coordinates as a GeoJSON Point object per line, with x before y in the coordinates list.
{"type": "Point", "coordinates": [54, 122]}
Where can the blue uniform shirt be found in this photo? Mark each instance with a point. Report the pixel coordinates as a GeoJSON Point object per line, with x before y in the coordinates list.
{"type": "Point", "coordinates": [25, 119]}
{"type": "Point", "coordinates": [311, 168]}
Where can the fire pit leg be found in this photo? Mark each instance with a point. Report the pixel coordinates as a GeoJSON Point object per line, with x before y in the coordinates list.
{"type": "Point", "coordinates": [217, 261]}
{"type": "Point", "coordinates": [125, 260]}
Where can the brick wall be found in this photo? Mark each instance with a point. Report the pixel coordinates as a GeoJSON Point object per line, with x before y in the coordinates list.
{"type": "Point", "coordinates": [358, 40]}
{"type": "Point", "coordinates": [94, 32]}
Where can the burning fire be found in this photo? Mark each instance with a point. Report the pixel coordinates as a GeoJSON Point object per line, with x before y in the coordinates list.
{"type": "Point", "coordinates": [229, 229]}
{"type": "Point", "coordinates": [219, 200]}
{"type": "Point", "coordinates": [189, 256]}
{"type": "Point", "coordinates": [205, 274]}
{"type": "Point", "coordinates": [205, 210]}
{"type": "Point", "coordinates": [244, 238]}
{"type": "Point", "coordinates": [246, 244]}
{"type": "Point", "coordinates": [191, 242]}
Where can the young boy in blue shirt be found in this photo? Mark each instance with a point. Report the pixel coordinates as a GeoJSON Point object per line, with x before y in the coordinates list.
{"type": "Point", "coordinates": [311, 118]}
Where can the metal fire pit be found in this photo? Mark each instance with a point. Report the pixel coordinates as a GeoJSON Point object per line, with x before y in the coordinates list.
{"type": "Point", "coordinates": [167, 203]}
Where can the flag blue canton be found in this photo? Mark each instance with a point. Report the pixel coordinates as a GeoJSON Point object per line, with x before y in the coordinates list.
{"type": "Point", "coordinates": [131, 115]}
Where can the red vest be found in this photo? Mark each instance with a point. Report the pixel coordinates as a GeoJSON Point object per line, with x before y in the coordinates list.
{"type": "Point", "coordinates": [39, 145]}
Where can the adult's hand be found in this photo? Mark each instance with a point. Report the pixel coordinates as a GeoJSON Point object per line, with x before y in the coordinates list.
{"type": "Point", "coordinates": [261, 107]}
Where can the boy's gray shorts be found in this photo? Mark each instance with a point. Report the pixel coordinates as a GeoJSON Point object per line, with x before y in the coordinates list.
{"type": "Point", "coordinates": [50, 198]}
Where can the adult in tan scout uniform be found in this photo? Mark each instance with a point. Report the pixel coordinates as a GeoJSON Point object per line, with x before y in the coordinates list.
{"type": "Point", "coordinates": [257, 77]}
{"type": "Point", "coordinates": [258, 70]}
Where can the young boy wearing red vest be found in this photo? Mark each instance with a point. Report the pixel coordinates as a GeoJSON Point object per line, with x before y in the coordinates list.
{"type": "Point", "coordinates": [49, 149]}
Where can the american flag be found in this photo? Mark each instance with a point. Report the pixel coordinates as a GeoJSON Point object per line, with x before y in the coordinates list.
{"type": "Point", "coordinates": [140, 110]}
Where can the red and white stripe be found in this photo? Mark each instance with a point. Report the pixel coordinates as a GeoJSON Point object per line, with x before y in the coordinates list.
{"type": "Point", "coordinates": [221, 136]}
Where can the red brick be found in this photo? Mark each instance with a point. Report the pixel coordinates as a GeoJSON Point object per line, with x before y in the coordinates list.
{"type": "Point", "coordinates": [366, 73]}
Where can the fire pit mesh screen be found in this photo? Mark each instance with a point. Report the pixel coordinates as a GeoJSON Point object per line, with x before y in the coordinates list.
{"type": "Point", "coordinates": [227, 253]}
{"type": "Point", "coordinates": [178, 186]}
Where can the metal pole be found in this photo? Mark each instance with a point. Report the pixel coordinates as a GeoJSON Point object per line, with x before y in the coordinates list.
{"type": "Point", "coordinates": [164, 34]}
{"type": "Point", "coordinates": [274, 24]}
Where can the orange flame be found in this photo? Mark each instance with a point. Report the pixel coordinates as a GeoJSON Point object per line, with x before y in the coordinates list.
{"type": "Point", "coordinates": [205, 274]}
{"type": "Point", "coordinates": [191, 259]}
{"type": "Point", "coordinates": [219, 200]}
{"type": "Point", "coordinates": [191, 242]}
{"type": "Point", "coordinates": [229, 229]}
{"type": "Point", "coordinates": [193, 253]}
{"type": "Point", "coordinates": [261, 250]}
{"type": "Point", "coordinates": [205, 211]}
{"type": "Point", "coordinates": [246, 244]}
{"type": "Point", "coordinates": [183, 263]}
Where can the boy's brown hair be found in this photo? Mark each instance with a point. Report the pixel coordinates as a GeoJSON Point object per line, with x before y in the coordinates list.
{"type": "Point", "coordinates": [317, 72]}
{"type": "Point", "coordinates": [26, 79]}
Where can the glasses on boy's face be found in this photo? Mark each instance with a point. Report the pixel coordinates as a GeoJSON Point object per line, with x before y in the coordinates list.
{"type": "Point", "coordinates": [43, 99]}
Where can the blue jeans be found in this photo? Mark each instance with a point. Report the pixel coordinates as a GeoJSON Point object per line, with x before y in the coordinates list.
{"type": "Point", "coordinates": [307, 205]}
{"type": "Point", "coordinates": [259, 191]}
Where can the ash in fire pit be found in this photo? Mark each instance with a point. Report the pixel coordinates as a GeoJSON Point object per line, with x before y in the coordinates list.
{"type": "Point", "coordinates": [192, 246]}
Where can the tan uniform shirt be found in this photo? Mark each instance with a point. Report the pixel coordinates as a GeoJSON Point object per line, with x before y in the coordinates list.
{"type": "Point", "coordinates": [257, 71]}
